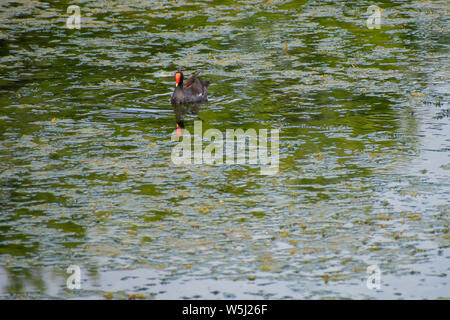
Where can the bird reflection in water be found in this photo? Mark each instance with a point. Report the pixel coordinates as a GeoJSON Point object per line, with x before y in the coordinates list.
{"type": "Point", "coordinates": [180, 111]}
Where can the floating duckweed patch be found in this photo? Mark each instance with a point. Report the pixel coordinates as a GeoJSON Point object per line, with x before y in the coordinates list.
{"type": "Point", "coordinates": [148, 189]}
{"type": "Point", "coordinates": [159, 215]}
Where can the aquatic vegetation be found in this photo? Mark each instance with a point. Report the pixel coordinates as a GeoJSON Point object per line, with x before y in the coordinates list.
{"type": "Point", "coordinates": [86, 175]}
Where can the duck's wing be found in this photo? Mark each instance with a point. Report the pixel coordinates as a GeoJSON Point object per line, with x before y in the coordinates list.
{"type": "Point", "coordinates": [191, 80]}
{"type": "Point", "coordinates": [194, 85]}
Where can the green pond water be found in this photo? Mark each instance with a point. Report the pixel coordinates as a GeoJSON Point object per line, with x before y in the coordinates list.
{"type": "Point", "coordinates": [86, 176]}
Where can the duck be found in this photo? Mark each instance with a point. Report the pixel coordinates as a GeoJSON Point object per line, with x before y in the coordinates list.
{"type": "Point", "coordinates": [193, 90]}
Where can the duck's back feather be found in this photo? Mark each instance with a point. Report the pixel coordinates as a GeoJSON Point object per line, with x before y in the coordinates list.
{"type": "Point", "coordinates": [193, 91]}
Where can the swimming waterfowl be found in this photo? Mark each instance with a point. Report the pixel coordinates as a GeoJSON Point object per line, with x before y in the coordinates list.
{"type": "Point", "coordinates": [193, 90]}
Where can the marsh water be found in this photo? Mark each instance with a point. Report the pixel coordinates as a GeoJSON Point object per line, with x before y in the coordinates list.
{"type": "Point", "coordinates": [86, 176]}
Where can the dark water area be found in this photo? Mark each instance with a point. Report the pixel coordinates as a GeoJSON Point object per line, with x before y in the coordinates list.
{"type": "Point", "coordinates": [86, 176]}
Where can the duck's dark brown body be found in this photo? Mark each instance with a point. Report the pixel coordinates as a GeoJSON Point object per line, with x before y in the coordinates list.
{"type": "Point", "coordinates": [190, 91]}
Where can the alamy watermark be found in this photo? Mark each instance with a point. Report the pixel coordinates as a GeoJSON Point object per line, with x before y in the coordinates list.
{"type": "Point", "coordinates": [74, 20]}
{"type": "Point", "coordinates": [258, 150]}
{"type": "Point", "coordinates": [374, 279]}
{"type": "Point", "coordinates": [74, 280]}
{"type": "Point", "coordinates": [374, 20]}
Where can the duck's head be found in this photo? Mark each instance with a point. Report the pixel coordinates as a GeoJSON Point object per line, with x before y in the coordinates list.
{"type": "Point", "coordinates": [178, 78]}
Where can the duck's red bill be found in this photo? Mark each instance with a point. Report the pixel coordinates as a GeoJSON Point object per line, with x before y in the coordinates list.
{"type": "Point", "coordinates": [179, 131]}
